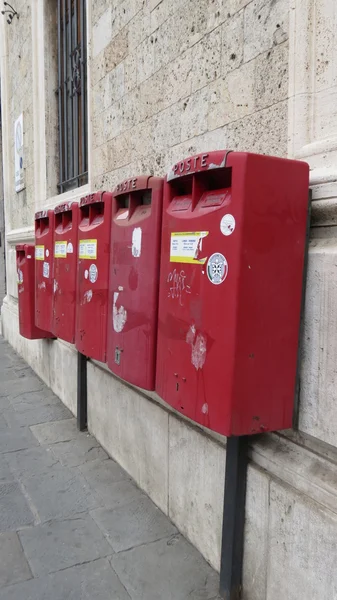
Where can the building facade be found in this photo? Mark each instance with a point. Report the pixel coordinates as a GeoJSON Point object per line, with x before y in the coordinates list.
{"type": "Point", "coordinates": [111, 89]}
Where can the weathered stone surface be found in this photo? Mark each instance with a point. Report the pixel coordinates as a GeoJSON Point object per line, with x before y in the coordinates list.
{"type": "Point", "coordinates": [15, 511]}
{"type": "Point", "coordinates": [57, 431]}
{"type": "Point", "coordinates": [266, 25]}
{"type": "Point", "coordinates": [141, 422]}
{"type": "Point", "coordinates": [256, 528]}
{"type": "Point", "coordinates": [62, 544]}
{"type": "Point", "coordinates": [136, 523]}
{"type": "Point", "coordinates": [60, 493]}
{"type": "Point", "coordinates": [170, 568]}
{"type": "Point", "coordinates": [33, 461]}
{"type": "Point", "coordinates": [28, 415]}
{"type": "Point", "coordinates": [298, 528]}
{"type": "Point", "coordinates": [76, 452]}
{"type": "Point", "coordinates": [196, 506]}
{"type": "Point", "coordinates": [95, 580]}
{"type": "Point", "coordinates": [16, 439]}
{"type": "Point", "coordinates": [13, 564]}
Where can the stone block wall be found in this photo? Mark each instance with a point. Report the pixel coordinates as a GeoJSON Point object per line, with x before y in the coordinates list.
{"type": "Point", "coordinates": [172, 78]}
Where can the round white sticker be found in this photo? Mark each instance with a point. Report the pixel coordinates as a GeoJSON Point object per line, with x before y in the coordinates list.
{"type": "Point", "coordinates": [70, 248]}
{"type": "Point", "coordinates": [217, 268]}
{"type": "Point", "coordinates": [227, 224]}
{"type": "Point", "coordinates": [93, 273]}
{"type": "Point", "coordinates": [86, 274]}
{"type": "Point", "coordinates": [47, 253]}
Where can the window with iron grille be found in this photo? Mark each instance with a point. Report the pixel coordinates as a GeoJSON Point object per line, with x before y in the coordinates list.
{"type": "Point", "coordinates": [72, 94]}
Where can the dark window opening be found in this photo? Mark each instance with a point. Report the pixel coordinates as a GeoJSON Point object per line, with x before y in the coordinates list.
{"type": "Point", "coordinates": [72, 94]}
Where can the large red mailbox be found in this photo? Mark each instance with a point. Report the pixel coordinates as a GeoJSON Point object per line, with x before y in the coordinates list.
{"type": "Point", "coordinates": [25, 265]}
{"type": "Point", "coordinates": [134, 280]}
{"type": "Point", "coordinates": [94, 230]}
{"type": "Point", "coordinates": [233, 249]}
{"type": "Point", "coordinates": [65, 270]}
{"type": "Point", "coordinates": [44, 237]}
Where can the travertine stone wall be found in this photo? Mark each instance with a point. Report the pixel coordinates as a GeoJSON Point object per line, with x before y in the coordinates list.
{"type": "Point", "coordinates": [175, 77]}
{"type": "Point", "coordinates": [20, 206]}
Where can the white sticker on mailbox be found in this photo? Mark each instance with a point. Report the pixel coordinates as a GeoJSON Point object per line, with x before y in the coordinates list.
{"type": "Point", "coordinates": [87, 249]}
{"type": "Point", "coordinates": [217, 268]}
{"type": "Point", "coordinates": [46, 270]}
{"type": "Point", "coordinates": [227, 224]}
{"type": "Point", "coordinates": [93, 273]}
{"type": "Point", "coordinates": [186, 247]}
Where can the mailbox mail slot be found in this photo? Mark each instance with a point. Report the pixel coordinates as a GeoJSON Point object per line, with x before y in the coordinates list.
{"type": "Point", "coordinates": [65, 269]}
{"type": "Point", "coordinates": [94, 230]}
{"type": "Point", "coordinates": [134, 280]}
{"type": "Point", "coordinates": [44, 262]}
{"type": "Point", "coordinates": [25, 265]}
{"type": "Point", "coordinates": [233, 248]}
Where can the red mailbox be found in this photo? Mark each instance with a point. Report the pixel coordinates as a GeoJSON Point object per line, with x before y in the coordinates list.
{"type": "Point", "coordinates": [44, 236]}
{"type": "Point", "coordinates": [65, 269]}
{"type": "Point", "coordinates": [233, 248]}
{"type": "Point", "coordinates": [134, 280]}
{"type": "Point", "coordinates": [94, 230]}
{"type": "Point", "coordinates": [26, 293]}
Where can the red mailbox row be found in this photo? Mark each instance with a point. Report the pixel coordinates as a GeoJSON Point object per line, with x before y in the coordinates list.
{"type": "Point", "coordinates": [191, 285]}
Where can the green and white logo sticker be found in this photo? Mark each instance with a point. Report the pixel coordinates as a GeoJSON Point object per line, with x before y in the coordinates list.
{"type": "Point", "coordinates": [217, 268]}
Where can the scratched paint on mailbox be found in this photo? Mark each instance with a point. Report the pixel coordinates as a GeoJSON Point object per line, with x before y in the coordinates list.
{"type": "Point", "coordinates": [186, 247]}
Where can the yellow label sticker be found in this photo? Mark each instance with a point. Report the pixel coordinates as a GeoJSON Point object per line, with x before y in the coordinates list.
{"type": "Point", "coordinates": [39, 252]}
{"type": "Point", "coordinates": [87, 249]}
{"type": "Point", "coordinates": [186, 247]}
{"type": "Point", "coordinates": [60, 250]}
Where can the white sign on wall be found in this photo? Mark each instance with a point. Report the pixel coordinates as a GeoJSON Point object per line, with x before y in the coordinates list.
{"type": "Point", "coordinates": [18, 143]}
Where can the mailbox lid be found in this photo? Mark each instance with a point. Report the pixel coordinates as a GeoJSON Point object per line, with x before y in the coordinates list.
{"type": "Point", "coordinates": [134, 280]}
{"type": "Point", "coordinates": [204, 368]}
{"type": "Point", "coordinates": [65, 270]}
{"type": "Point", "coordinates": [44, 263]}
{"type": "Point", "coordinates": [94, 232]}
{"type": "Point", "coordinates": [26, 293]}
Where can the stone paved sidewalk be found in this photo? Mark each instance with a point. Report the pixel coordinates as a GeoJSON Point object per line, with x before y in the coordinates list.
{"type": "Point", "coordinates": [73, 525]}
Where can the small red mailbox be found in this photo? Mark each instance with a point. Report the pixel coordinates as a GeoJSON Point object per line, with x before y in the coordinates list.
{"type": "Point", "coordinates": [65, 270]}
{"type": "Point", "coordinates": [134, 280]}
{"type": "Point", "coordinates": [44, 236]}
{"type": "Point", "coordinates": [233, 248]}
{"type": "Point", "coordinates": [26, 293]}
{"type": "Point", "coordinates": [94, 230]}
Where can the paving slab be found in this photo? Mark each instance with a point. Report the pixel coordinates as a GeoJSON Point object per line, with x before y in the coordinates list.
{"type": "Point", "coordinates": [58, 431]}
{"type": "Point", "coordinates": [138, 522]}
{"type": "Point", "coordinates": [84, 448]}
{"type": "Point", "coordinates": [170, 569]}
{"type": "Point", "coordinates": [6, 473]}
{"type": "Point", "coordinates": [14, 509]}
{"type": "Point", "coordinates": [30, 400]}
{"type": "Point", "coordinates": [92, 581]}
{"type": "Point", "coordinates": [21, 385]}
{"type": "Point", "coordinates": [110, 482]}
{"type": "Point", "coordinates": [60, 493]}
{"type": "Point", "coordinates": [61, 544]}
{"type": "Point", "coordinates": [33, 415]}
{"type": "Point", "coordinates": [17, 439]}
{"type": "Point", "coordinates": [13, 564]}
{"type": "Point", "coordinates": [31, 462]}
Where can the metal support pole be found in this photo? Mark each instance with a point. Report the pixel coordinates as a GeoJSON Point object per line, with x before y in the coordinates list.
{"type": "Point", "coordinates": [233, 518]}
{"type": "Point", "coordinates": [81, 391]}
